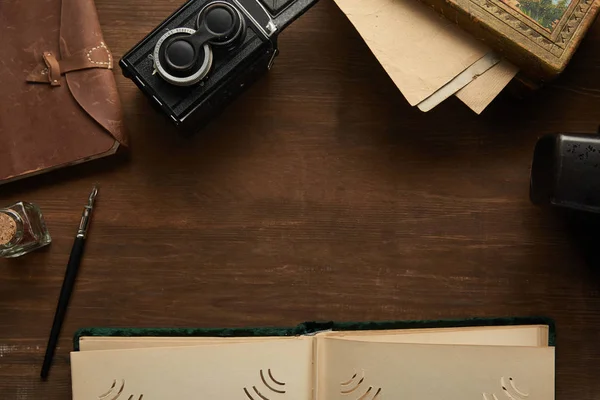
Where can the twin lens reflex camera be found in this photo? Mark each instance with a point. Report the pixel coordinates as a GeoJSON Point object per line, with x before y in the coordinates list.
{"type": "Point", "coordinates": [206, 53]}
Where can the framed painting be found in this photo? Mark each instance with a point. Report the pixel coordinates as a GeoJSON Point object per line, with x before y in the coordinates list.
{"type": "Point", "coordinates": [539, 36]}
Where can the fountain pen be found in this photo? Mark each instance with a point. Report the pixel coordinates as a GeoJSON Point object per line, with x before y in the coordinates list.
{"type": "Point", "coordinates": [69, 282]}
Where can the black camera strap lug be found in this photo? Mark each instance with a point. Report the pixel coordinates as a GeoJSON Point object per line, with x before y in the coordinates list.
{"type": "Point", "coordinates": [257, 13]}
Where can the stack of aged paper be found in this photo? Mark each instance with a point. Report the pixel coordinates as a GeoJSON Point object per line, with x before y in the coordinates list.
{"type": "Point", "coordinates": [427, 56]}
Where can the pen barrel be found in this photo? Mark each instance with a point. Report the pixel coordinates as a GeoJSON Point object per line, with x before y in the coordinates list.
{"type": "Point", "coordinates": [84, 223]}
{"type": "Point", "coordinates": [71, 272]}
{"type": "Point", "coordinates": [63, 300]}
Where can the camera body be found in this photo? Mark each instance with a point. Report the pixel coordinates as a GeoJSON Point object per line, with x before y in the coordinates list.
{"type": "Point", "coordinates": [207, 53]}
{"type": "Point", "coordinates": [564, 171]}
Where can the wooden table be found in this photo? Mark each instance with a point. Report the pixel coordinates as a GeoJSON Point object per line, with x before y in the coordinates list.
{"type": "Point", "coordinates": [319, 194]}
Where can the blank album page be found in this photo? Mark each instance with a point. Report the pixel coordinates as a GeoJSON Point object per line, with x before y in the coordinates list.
{"type": "Point", "coordinates": [253, 371]}
{"type": "Point", "coordinates": [524, 335]}
{"type": "Point", "coordinates": [353, 370]}
{"type": "Point", "coordinates": [92, 343]}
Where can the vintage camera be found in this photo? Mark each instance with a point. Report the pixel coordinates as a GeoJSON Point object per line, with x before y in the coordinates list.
{"type": "Point", "coordinates": [206, 53]}
{"type": "Point", "coordinates": [565, 171]}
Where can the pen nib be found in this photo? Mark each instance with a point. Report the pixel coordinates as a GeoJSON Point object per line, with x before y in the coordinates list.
{"type": "Point", "coordinates": [93, 196]}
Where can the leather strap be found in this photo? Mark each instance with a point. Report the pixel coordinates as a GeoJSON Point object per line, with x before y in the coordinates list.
{"type": "Point", "coordinates": [52, 68]}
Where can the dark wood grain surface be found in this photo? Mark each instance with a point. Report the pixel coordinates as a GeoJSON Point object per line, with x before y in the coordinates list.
{"type": "Point", "coordinates": [319, 194]}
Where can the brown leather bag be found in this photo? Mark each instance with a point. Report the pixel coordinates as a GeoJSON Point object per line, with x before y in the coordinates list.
{"type": "Point", "coordinates": [59, 104]}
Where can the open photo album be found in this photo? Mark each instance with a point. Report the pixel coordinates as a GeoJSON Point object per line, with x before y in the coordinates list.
{"type": "Point", "coordinates": [478, 363]}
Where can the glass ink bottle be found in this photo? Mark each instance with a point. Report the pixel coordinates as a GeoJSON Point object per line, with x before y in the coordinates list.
{"type": "Point", "coordinates": [22, 230]}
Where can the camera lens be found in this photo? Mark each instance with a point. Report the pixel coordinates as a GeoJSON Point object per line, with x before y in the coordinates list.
{"type": "Point", "coordinates": [222, 19]}
{"type": "Point", "coordinates": [219, 20]}
{"type": "Point", "coordinates": [176, 60]}
{"type": "Point", "coordinates": [179, 55]}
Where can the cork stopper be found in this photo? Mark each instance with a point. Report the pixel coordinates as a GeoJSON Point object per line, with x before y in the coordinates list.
{"type": "Point", "coordinates": [8, 228]}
